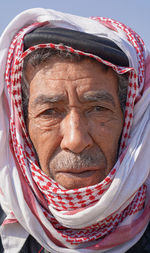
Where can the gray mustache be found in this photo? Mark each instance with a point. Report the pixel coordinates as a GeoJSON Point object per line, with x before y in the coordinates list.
{"type": "Point", "coordinates": [67, 159]}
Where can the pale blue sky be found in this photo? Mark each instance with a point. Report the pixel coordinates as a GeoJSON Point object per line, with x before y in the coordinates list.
{"type": "Point", "coordinates": [134, 13]}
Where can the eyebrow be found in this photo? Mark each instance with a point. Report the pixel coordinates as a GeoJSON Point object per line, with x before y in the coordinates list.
{"type": "Point", "coordinates": [44, 99]}
{"type": "Point", "coordinates": [90, 96]}
{"type": "Point", "coordinates": [97, 96]}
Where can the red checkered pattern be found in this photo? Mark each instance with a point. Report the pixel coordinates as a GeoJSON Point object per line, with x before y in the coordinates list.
{"type": "Point", "coordinates": [102, 228]}
{"type": "Point", "coordinates": [56, 197]}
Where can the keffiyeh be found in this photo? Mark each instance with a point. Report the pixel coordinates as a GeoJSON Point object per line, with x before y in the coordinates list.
{"type": "Point", "coordinates": [108, 217]}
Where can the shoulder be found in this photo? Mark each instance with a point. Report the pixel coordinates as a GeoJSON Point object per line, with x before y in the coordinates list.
{"type": "Point", "coordinates": [32, 246]}
{"type": "Point", "coordinates": [143, 245]}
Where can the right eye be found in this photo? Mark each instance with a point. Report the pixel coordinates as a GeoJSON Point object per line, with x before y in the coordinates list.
{"type": "Point", "coordinates": [50, 112]}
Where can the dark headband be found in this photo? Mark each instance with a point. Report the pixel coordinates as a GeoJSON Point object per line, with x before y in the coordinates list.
{"type": "Point", "coordinates": [99, 46]}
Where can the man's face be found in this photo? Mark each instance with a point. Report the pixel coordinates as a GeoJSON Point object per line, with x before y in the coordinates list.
{"type": "Point", "coordinates": [74, 120]}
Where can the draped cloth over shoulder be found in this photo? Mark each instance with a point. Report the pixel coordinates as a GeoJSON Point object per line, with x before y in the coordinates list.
{"type": "Point", "coordinates": [113, 214]}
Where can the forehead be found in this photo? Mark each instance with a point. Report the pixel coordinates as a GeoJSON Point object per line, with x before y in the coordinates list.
{"type": "Point", "coordinates": [58, 72]}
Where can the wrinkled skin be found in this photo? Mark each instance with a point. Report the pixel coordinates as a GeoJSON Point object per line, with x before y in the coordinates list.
{"type": "Point", "coordinates": [74, 120]}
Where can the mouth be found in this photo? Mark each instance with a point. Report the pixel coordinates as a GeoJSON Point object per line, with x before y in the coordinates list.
{"type": "Point", "coordinates": [83, 174]}
{"type": "Point", "coordinates": [78, 172]}
{"type": "Point", "coordinates": [78, 178]}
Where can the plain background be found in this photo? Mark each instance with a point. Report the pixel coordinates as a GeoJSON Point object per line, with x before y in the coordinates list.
{"type": "Point", "coordinates": [134, 13]}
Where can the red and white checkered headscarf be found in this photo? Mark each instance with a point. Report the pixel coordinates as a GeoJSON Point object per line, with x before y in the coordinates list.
{"type": "Point", "coordinates": [113, 213]}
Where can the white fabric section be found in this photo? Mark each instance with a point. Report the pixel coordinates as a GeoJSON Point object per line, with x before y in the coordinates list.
{"type": "Point", "coordinates": [130, 176]}
{"type": "Point", "coordinates": [13, 242]}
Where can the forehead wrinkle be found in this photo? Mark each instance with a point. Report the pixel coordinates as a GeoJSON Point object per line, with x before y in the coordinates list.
{"type": "Point", "coordinates": [97, 96]}
{"type": "Point", "coordinates": [48, 99]}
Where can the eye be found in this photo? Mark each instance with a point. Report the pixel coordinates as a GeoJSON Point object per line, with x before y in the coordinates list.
{"type": "Point", "coordinates": [99, 111]}
{"type": "Point", "coordinates": [50, 112]}
{"type": "Point", "coordinates": [99, 108]}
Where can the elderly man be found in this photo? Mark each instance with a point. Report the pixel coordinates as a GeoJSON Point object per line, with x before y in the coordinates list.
{"type": "Point", "coordinates": [74, 161]}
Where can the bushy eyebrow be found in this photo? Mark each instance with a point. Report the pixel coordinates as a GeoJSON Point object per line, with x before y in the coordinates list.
{"type": "Point", "coordinates": [48, 99]}
{"type": "Point", "coordinates": [97, 96]}
{"type": "Point", "coordinates": [90, 96]}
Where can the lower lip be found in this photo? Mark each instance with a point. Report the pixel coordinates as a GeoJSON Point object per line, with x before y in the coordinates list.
{"type": "Point", "coordinates": [87, 173]}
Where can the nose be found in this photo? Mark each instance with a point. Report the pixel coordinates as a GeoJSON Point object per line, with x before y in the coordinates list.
{"type": "Point", "coordinates": [75, 133]}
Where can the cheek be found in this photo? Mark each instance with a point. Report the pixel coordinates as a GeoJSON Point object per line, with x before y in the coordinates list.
{"type": "Point", "coordinates": [107, 136]}
{"type": "Point", "coordinates": [109, 130]}
{"type": "Point", "coordinates": [45, 141]}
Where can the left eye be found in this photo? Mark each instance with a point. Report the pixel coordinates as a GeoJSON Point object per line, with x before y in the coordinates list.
{"type": "Point", "coordinates": [99, 108]}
